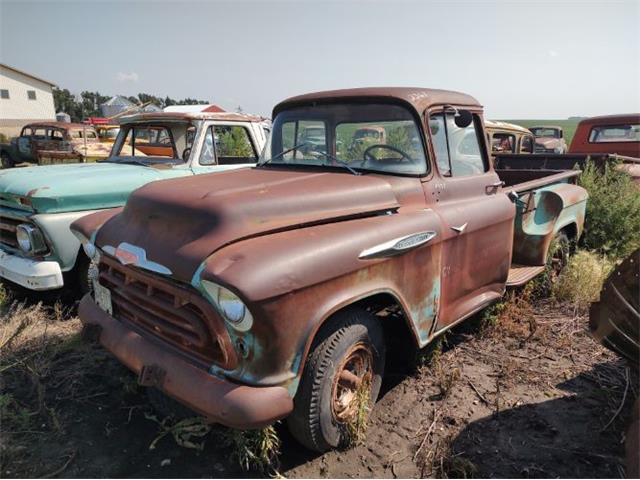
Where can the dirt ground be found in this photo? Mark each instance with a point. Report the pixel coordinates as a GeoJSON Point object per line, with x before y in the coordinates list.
{"type": "Point", "coordinates": [528, 394]}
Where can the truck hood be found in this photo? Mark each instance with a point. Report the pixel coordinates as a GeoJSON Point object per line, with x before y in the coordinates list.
{"type": "Point", "coordinates": [548, 142]}
{"type": "Point", "coordinates": [74, 187]}
{"type": "Point", "coordinates": [181, 222]}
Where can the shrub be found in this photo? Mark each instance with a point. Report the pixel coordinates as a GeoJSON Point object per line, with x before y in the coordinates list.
{"type": "Point", "coordinates": [581, 280]}
{"type": "Point", "coordinates": [612, 224]}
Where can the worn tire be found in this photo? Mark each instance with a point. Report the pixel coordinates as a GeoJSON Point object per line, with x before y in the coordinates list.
{"type": "Point", "coordinates": [167, 406]}
{"type": "Point", "coordinates": [558, 255]}
{"type": "Point", "coordinates": [313, 422]}
{"type": "Point", "coordinates": [6, 160]}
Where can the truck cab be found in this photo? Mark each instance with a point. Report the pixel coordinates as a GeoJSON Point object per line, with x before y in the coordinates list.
{"type": "Point", "coordinates": [37, 204]}
{"type": "Point", "coordinates": [273, 292]}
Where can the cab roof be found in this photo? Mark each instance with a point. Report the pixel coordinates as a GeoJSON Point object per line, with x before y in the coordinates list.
{"type": "Point", "coordinates": [612, 119]}
{"type": "Point", "coordinates": [418, 98]}
{"type": "Point", "coordinates": [189, 116]}
{"type": "Point", "coordinates": [495, 125]}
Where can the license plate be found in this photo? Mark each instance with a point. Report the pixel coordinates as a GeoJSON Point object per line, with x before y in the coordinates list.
{"type": "Point", "coordinates": [102, 296]}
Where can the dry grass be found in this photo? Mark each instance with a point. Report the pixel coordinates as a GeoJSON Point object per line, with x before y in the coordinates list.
{"type": "Point", "coordinates": [357, 427]}
{"type": "Point", "coordinates": [580, 282]}
{"type": "Point", "coordinates": [253, 449]}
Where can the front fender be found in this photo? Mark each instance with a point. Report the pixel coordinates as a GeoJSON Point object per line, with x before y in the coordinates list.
{"type": "Point", "coordinates": [293, 281]}
{"type": "Point", "coordinates": [64, 245]}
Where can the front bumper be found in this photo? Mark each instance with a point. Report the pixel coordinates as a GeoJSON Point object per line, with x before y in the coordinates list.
{"type": "Point", "coordinates": [31, 274]}
{"type": "Point", "coordinates": [220, 401]}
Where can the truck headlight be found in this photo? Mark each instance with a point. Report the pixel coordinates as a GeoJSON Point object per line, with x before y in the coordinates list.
{"type": "Point", "coordinates": [30, 239]}
{"type": "Point", "coordinates": [232, 309]}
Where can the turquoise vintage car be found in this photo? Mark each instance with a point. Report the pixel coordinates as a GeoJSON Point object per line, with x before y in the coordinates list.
{"type": "Point", "coordinates": [37, 204]}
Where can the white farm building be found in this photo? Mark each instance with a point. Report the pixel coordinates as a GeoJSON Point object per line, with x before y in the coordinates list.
{"type": "Point", "coordinates": [24, 98]}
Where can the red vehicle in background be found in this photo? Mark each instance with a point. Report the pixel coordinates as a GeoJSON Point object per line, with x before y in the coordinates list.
{"type": "Point", "coordinates": [616, 134]}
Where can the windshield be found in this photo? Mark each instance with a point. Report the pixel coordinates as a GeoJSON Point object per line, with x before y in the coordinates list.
{"type": "Point", "coordinates": [546, 132]}
{"type": "Point", "coordinates": [154, 143]}
{"type": "Point", "coordinates": [372, 137]}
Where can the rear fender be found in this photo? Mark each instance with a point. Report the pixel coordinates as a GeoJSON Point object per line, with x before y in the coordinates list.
{"type": "Point", "coordinates": [541, 214]}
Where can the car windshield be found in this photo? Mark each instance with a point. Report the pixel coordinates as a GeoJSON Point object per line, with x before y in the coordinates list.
{"type": "Point", "coordinates": [372, 137]}
{"type": "Point", "coordinates": [546, 132]}
{"type": "Point", "coordinates": [168, 143]}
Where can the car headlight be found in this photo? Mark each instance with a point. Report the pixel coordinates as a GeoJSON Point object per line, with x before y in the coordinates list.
{"type": "Point", "coordinates": [232, 309]}
{"type": "Point", "coordinates": [30, 239]}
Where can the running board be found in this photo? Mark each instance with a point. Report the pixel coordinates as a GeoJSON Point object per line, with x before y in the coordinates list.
{"type": "Point", "coordinates": [521, 274]}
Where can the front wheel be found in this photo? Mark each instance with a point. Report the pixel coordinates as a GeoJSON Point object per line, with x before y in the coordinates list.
{"type": "Point", "coordinates": [345, 365]}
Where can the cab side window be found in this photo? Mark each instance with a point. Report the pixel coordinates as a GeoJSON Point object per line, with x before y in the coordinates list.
{"type": "Point", "coordinates": [526, 146]}
{"type": "Point", "coordinates": [230, 144]}
{"type": "Point", "coordinates": [458, 150]}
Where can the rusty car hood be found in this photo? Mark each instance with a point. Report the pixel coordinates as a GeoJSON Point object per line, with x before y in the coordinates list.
{"type": "Point", "coordinates": [181, 222]}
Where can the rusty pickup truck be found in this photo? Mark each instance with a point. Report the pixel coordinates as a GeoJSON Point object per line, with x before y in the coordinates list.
{"type": "Point", "coordinates": [274, 292]}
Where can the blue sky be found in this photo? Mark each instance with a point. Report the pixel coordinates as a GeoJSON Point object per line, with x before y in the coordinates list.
{"type": "Point", "coordinates": [521, 59]}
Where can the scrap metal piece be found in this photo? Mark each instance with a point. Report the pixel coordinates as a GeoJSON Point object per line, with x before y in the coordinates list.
{"type": "Point", "coordinates": [614, 321]}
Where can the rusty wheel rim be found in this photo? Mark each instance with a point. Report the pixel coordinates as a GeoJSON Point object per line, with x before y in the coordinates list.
{"type": "Point", "coordinates": [557, 262]}
{"type": "Point", "coordinates": [355, 368]}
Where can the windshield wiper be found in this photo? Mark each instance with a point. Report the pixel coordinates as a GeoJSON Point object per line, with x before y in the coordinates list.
{"type": "Point", "coordinates": [284, 152]}
{"type": "Point", "coordinates": [342, 163]}
{"type": "Point", "coordinates": [326, 155]}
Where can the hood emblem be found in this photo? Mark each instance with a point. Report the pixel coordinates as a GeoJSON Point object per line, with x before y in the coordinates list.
{"type": "Point", "coordinates": [128, 254]}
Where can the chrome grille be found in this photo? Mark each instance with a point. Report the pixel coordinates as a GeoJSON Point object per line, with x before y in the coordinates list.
{"type": "Point", "coordinates": [178, 315]}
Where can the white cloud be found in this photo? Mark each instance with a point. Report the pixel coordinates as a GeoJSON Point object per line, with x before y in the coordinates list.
{"type": "Point", "coordinates": [553, 53]}
{"type": "Point", "coordinates": [127, 77]}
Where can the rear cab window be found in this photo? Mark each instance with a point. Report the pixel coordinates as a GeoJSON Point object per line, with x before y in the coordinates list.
{"type": "Point", "coordinates": [615, 133]}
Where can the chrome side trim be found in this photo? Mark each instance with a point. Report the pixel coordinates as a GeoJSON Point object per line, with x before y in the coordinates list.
{"type": "Point", "coordinates": [397, 246]}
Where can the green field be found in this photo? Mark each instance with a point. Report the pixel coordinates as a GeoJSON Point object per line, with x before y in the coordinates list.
{"type": "Point", "coordinates": [569, 126]}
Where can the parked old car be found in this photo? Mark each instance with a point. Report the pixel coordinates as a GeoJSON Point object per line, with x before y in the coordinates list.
{"type": "Point", "coordinates": [614, 134]}
{"type": "Point", "coordinates": [272, 292]}
{"type": "Point", "coordinates": [549, 139]}
{"type": "Point", "coordinates": [37, 204]}
{"type": "Point", "coordinates": [53, 142]}
{"type": "Point", "coordinates": [506, 137]}
{"type": "Point", "coordinates": [601, 140]}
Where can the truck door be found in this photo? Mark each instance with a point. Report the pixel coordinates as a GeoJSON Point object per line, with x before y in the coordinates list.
{"type": "Point", "coordinates": [477, 218]}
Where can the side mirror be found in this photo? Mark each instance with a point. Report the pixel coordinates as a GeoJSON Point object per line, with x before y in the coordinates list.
{"type": "Point", "coordinates": [463, 118]}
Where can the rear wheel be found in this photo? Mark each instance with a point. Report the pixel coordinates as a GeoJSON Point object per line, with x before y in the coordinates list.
{"type": "Point", "coordinates": [6, 160]}
{"type": "Point", "coordinates": [346, 361]}
{"type": "Point", "coordinates": [558, 256]}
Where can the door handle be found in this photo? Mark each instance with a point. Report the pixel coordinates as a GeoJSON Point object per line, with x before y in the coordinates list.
{"type": "Point", "coordinates": [493, 187]}
{"type": "Point", "coordinates": [461, 228]}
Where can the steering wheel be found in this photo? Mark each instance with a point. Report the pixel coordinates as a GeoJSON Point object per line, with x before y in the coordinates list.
{"type": "Point", "coordinates": [369, 157]}
{"type": "Point", "coordinates": [185, 153]}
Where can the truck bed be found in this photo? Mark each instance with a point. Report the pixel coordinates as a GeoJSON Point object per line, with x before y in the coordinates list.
{"type": "Point", "coordinates": [522, 180]}
{"type": "Point", "coordinates": [568, 161]}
